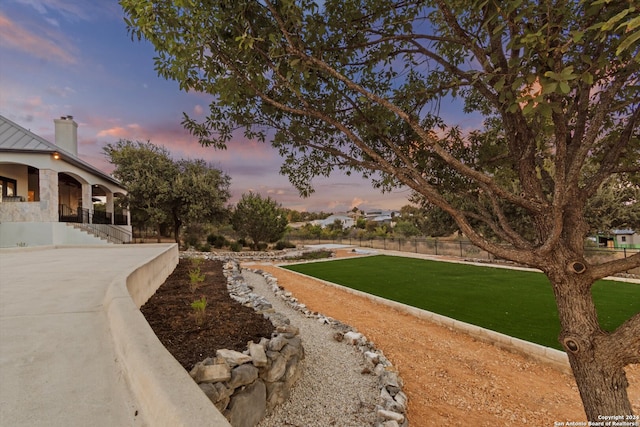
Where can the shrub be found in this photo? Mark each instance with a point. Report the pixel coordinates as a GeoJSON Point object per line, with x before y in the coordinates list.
{"type": "Point", "coordinates": [199, 306]}
{"type": "Point", "coordinates": [236, 246]}
{"type": "Point", "coordinates": [284, 244]}
{"type": "Point", "coordinates": [314, 255]}
{"type": "Point", "coordinates": [262, 246]}
{"type": "Point", "coordinates": [191, 240]}
{"type": "Point", "coordinates": [205, 247]}
{"type": "Point", "coordinates": [195, 278]}
{"type": "Point", "coordinates": [217, 241]}
{"type": "Point", "coordinates": [242, 242]}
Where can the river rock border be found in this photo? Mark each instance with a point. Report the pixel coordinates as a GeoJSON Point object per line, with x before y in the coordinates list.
{"type": "Point", "coordinates": [391, 411]}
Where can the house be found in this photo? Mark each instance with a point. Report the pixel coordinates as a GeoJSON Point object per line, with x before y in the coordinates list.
{"type": "Point", "coordinates": [345, 220]}
{"type": "Point", "coordinates": [382, 217]}
{"type": "Point", "coordinates": [47, 193]}
{"type": "Point", "coordinates": [626, 239]}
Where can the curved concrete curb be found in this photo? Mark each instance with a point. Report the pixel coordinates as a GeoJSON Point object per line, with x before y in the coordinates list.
{"type": "Point", "coordinates": [547, 355]}
{"type": "Point", "coordinates": [166, 394]}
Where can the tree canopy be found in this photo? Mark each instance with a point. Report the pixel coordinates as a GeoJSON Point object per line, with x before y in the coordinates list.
{"type": "Point", "coordinates": [164, 191]}
{"type": "Point", "coordinates": [361, 85]}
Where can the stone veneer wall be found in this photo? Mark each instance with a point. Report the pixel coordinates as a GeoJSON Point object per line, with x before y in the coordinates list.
{"type": "Point", "coordinates": [245, 386]}
{"type": "Point", "coordinates": [23, 212]}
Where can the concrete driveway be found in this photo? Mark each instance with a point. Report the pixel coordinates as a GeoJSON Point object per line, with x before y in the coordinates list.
{"type": "Point", "coordinates": [58, 365]}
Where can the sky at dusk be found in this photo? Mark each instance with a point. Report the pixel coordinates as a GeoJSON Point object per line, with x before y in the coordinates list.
{"type": "Point", "coordinates": [75, 57]}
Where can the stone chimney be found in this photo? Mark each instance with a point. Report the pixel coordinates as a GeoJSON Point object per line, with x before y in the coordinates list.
{"type": "Point", "coordinates": [67, 134]}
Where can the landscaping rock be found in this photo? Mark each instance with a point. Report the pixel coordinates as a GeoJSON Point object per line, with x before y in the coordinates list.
{"type": "Point", "coordinates": [211, 373]}
{"type": "Point", "coordinates": [277, 394]}
{"type": "Point", "coordinates": [258, 355]}
{"type": "Point", "coordinates": [276, 370]}
{"type": "Point", "coordinates": [233, 358]}
{"type": "Point", "coordinates": [242, 375]}
{"type": "Point", "coordinates": [248, 407]}
{"type": "Point", "coordinates": [390, 416]}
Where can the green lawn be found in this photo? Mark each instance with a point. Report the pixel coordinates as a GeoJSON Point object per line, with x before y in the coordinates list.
{"type": "Point", "coordinates": [516, 303]}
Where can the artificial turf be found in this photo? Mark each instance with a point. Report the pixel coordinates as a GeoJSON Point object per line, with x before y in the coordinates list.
{"type": "Point", "coordinates": [513, 302]}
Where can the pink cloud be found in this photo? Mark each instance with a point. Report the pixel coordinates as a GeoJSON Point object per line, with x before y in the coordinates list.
{"type": "Point", "coordinates": [252, 166]}
{"type": "Point", "coordinates": [357, 201]}
{"type": "Point", "coordinates": [130, 131]}
{"type": "Point", "coordinates": [19, 38]}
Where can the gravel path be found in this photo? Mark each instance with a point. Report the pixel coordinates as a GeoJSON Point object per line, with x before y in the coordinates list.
{"type": "Point", "coordinates": [332, 391]}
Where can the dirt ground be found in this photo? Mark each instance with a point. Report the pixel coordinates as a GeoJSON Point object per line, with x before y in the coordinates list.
{"type": "Point", "coordinates": [450, 378]}
{"type": "Point", "coordinates": [226, 324]}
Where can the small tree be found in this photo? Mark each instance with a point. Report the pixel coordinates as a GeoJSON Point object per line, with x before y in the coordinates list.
{"type": "Point", "coordinates": [261, 220]}
{"type": "Point", "coordinates": [406, 229]}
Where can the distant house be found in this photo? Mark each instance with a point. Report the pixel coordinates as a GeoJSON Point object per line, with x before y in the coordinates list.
{"type": "Point", "coordinates": [626, 239]}
{"type": "Point", "coordinates": [382, 217]}
{"type": "Point", "coordinates": [47, 193]}
{"type": "Point", "coordinates": [345, 220]}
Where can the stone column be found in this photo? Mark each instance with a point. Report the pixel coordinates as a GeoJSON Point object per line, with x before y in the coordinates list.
{"type": "Point", "coordinates": [109, 205]}
{"type": "Point", "coordinates": [87, 198]}
{"type": "Point", "coordinates": [49, 195]}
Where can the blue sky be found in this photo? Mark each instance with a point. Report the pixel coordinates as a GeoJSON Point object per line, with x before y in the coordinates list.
{"type": "Point", "coordinates": [75, 57]}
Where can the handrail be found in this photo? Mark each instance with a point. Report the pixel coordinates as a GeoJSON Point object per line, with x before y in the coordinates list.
{"type": "Point", "coordinates": [86, 216]}
{"type": "Point", "coordinates": [109, 232]}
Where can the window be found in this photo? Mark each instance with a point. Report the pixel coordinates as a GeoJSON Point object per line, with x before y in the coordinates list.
{"type": "Point", "coordinates": [8, 187]}
{"type": "Point", "coordinates": [623, 239]}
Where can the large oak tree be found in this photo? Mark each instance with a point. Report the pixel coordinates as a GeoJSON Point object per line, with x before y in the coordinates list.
{"type": "Point", "coordinates": [360, 85]}
{"type": "Point", "coordinates": [161, 190]}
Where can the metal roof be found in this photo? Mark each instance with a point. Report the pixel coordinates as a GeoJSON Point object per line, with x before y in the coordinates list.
{"type": "Point", "coordinates": [15, 138]}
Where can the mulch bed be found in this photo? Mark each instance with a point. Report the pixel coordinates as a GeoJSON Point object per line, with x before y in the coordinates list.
{"type": "Point", "coordinates": [227, 324]}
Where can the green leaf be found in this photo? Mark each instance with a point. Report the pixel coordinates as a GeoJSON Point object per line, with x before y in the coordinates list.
{"type": "Point", "coordinates": [626, 43]}
{"type": "Point", "coordinates": [549, 87]}
{"type": "Point", "coordinates": [587, 78]}
{"type": "Point", "coordinates": [633, 24]}
{"type": "Point", "coordinates": [613, 21]}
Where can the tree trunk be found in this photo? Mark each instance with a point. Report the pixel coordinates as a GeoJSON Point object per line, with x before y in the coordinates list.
{"type": "Point", "coordinates": [597, 357]}
{"type": "Point", "coordinates": [177, 223]}
{"type": "Point", "coordinates": [176, 231]}
{"type": "Point", "coordinates": [602, 384]}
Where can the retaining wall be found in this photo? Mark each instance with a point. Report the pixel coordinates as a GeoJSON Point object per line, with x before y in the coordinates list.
{"type": "Point", "coordinates": [165, 392]}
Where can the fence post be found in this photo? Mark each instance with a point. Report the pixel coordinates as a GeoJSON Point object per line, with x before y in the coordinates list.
{"type": "Point", "coordinates": [460, 248]}
{"type": "Point", "coordinates": [435, 244]}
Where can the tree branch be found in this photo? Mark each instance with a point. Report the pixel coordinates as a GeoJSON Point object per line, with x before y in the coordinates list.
{"type": "Point", "coordinates": [625, 341]}
{"type": "Point", "coordinates": [600, 271]}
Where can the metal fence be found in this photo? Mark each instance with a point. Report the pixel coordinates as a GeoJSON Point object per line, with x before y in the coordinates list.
{"type": "Point", "coordinates": [451, 248]}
